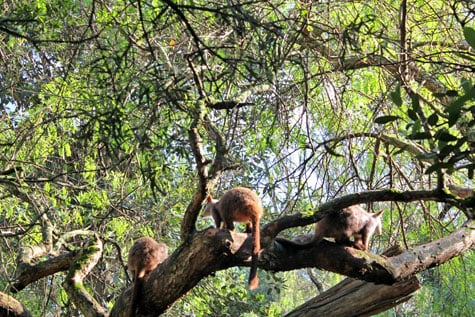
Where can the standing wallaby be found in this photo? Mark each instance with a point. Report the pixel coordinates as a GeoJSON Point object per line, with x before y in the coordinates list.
{"type": "Point", "coordinates": [239, 204]}
{"type": "Point", "coordinates": [144, 256]}
{"type": "Point", "coordinates": [349, 222]}
{"type": "Point", "coordinates": [352, 221]}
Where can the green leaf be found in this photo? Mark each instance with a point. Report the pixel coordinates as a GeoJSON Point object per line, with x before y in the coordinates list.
{"type": "Point", "coordinates": [466, 84]}
{"type": "Point", "coordinates": [419, 136]}
{"type": "Point", "coordinates": [455, 108]}
{"type": "Point", "coordinates": [416, 106]}
{"type": "Point", "coordinates": [386, 119]}
{"type": "Point", "coordinates": [444, 135]}
{"type": "Point", "coordinates": [454, 114]}
{"type": "Point", "coordinates": [412, 114]}
{"type": "Point", "coordinates": [416, 128]}
{"type": "Point", "coordinates": [396, 96]}
{"type": "Point", "coordinates": [452, 93]}
{"type": "Point", "coordinates": [433, 119]}
{"type": "Point", "coordinates": [437, 167]}
{"type": "Point", "coordinates": [469, 34]}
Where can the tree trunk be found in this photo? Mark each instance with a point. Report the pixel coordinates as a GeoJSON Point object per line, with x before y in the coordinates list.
{"type": "Point", "coordinates": [357, 298]}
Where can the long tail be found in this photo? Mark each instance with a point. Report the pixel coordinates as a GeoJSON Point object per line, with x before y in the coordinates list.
{"type": "Point", "coordinates": [256, 247]}
{"type": "Point", "coordinates": [137, 289]}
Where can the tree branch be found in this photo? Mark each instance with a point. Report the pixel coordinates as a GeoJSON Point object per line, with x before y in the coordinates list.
{"type": "Point", "coordinates": [270, 230]}
{"type": "Point", "coordinates": [10, 307]}
{"type": "Point", "coordinates": [207, 252]}
{"type": "Point", "coordinates": [212, 250]}
{"type": "Point", "coordinates": [357, 298]}
{"type": "Point", "coordinates": [434, 253]}
{"type": "Point", "coordinates": [73, 283]}
{"type": "Point", "coordinates": [208, 170]}
{"type": "Point", "coordinates": [31, 273]}
{"type": "Point", "coordinates": [28, 272]}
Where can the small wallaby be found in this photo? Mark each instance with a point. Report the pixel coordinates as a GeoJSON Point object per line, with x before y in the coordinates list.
{"type": "Point", "coordinates": [144, 256]}
{"type": "Point", "coordinates": [239, 204]}
{"type": "Point", "coordinates": [349, 222]}
{"type": "Point", "coordinates": [352, 221]}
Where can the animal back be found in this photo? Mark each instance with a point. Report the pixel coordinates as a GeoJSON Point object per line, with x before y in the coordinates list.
{"type": "Point", "coordinates": [241, 204]}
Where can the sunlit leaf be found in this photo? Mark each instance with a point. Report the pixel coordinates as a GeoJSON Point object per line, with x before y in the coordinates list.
{"type": "Point", "coordinates": [386, 119]}
{"type": "Point", "coordinates": [433, 119]}
{"type": "Point", "coordinates": [469, 34]}
{"type": "Point", "coordinates": [396, 96]}
{"type": "Point", "coordinates": [444, 135]}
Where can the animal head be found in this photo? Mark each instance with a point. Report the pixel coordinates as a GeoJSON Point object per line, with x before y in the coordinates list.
{"type": "Point", "coordinates": [377, 219]}
{"type": "Point", "coordinates": [209, 205]}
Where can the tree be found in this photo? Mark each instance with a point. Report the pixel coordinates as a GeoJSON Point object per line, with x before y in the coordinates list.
{"type": "Point", "coordinates": [118, 118]}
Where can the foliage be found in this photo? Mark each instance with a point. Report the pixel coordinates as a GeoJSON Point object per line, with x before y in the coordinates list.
{"type": "Point", "coordinates": [313, 100]}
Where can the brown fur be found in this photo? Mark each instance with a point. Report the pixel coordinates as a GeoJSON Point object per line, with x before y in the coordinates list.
{"type": "Point", "coordinates": [349, 222]}
{"type": "Point", "coordinates": [239, 204]}
{"type": "Point", "coordinates": [352, 221]}
{"type": "Point", "coordinates": [144, 256]}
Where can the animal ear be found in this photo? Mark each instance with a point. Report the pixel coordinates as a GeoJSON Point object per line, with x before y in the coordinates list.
{"type": "Point", "coordinates": [379, 213]}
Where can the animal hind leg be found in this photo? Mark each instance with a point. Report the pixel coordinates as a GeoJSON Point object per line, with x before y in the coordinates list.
{"type": "Point", "coordinates": [228, 224]}
{"type": "Point", "coordinates": [344, 241]}
{"type": "Point", "coordinates": [248, 227]}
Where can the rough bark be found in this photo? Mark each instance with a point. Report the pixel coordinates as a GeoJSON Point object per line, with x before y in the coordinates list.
{"type": "Point", "coordinates": [359, 298]}
{"type": "Point", "coordinates": [331, 257]}
{"type": "Point", "coordinates": [9, 306]}
{"type": "Point", "coordinates": [207, 252]}
{"type": "Point", "coordinates": [212, 250]}
{"type": "Point", "coordinates": [208, 172]}
{"type": "Point", "coordinates": [434, 253]}
{"type": "Point", "coordinates": [73, 283]}
{"type": "Point", "coordinates": [30, 273]}
{"type": "Point", "coordinates": [31, 269]}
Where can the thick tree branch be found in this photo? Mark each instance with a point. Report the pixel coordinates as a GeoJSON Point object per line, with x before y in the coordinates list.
{"type": "Point", "coordinates": [212, 250]}
{"type": "Point", "coordinates": [270, 230]}
{"type": "Point", "coordinates": [331, 257]}
{"type": "Point", "coordinates": [360, 298]}
{"type": "Point", "coordinates": [208, 170]}
{"type": "Point", "coordinates": [357, 298]}
{"type": "Point", "coordinates": [192, 211]}
{"type": "Point", "coordinates": [207, 252]}
{"type": "Point", "coordinates": [434, 253]}
{"type": "Point", "coordinates": [31, 273]}
{"type": "Point", "coordinates": [73, 283]}
{"type": "Point", "coordinates": [10, 307]}
{"type": "Point", "coordinates": [30, 270]}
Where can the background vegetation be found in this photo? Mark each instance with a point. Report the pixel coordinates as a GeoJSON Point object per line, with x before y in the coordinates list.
{"type": "Point", "coordinates": [312, 100]}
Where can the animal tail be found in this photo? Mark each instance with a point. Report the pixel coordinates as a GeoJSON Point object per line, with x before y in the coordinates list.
{"type": "Point", "coordinates": [137, 289]}
{"type": "Point", "coordinates": [256, 247]}
{"type": "Point", "coordinates": [295, 245]}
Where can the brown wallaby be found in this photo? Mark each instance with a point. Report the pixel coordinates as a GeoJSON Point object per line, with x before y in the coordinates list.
{"type": "Point", "coordinates": [352, 221]}
{"type": "Point", "coordinates": [349, 222]}
{"type": "Point", "coordinates": [144, 256]}
{"type": "Point", "coordinates": [239, 204]}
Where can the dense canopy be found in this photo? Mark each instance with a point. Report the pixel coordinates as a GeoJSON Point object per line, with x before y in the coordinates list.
{"type": "Point", "coordinates": [118, 119]}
